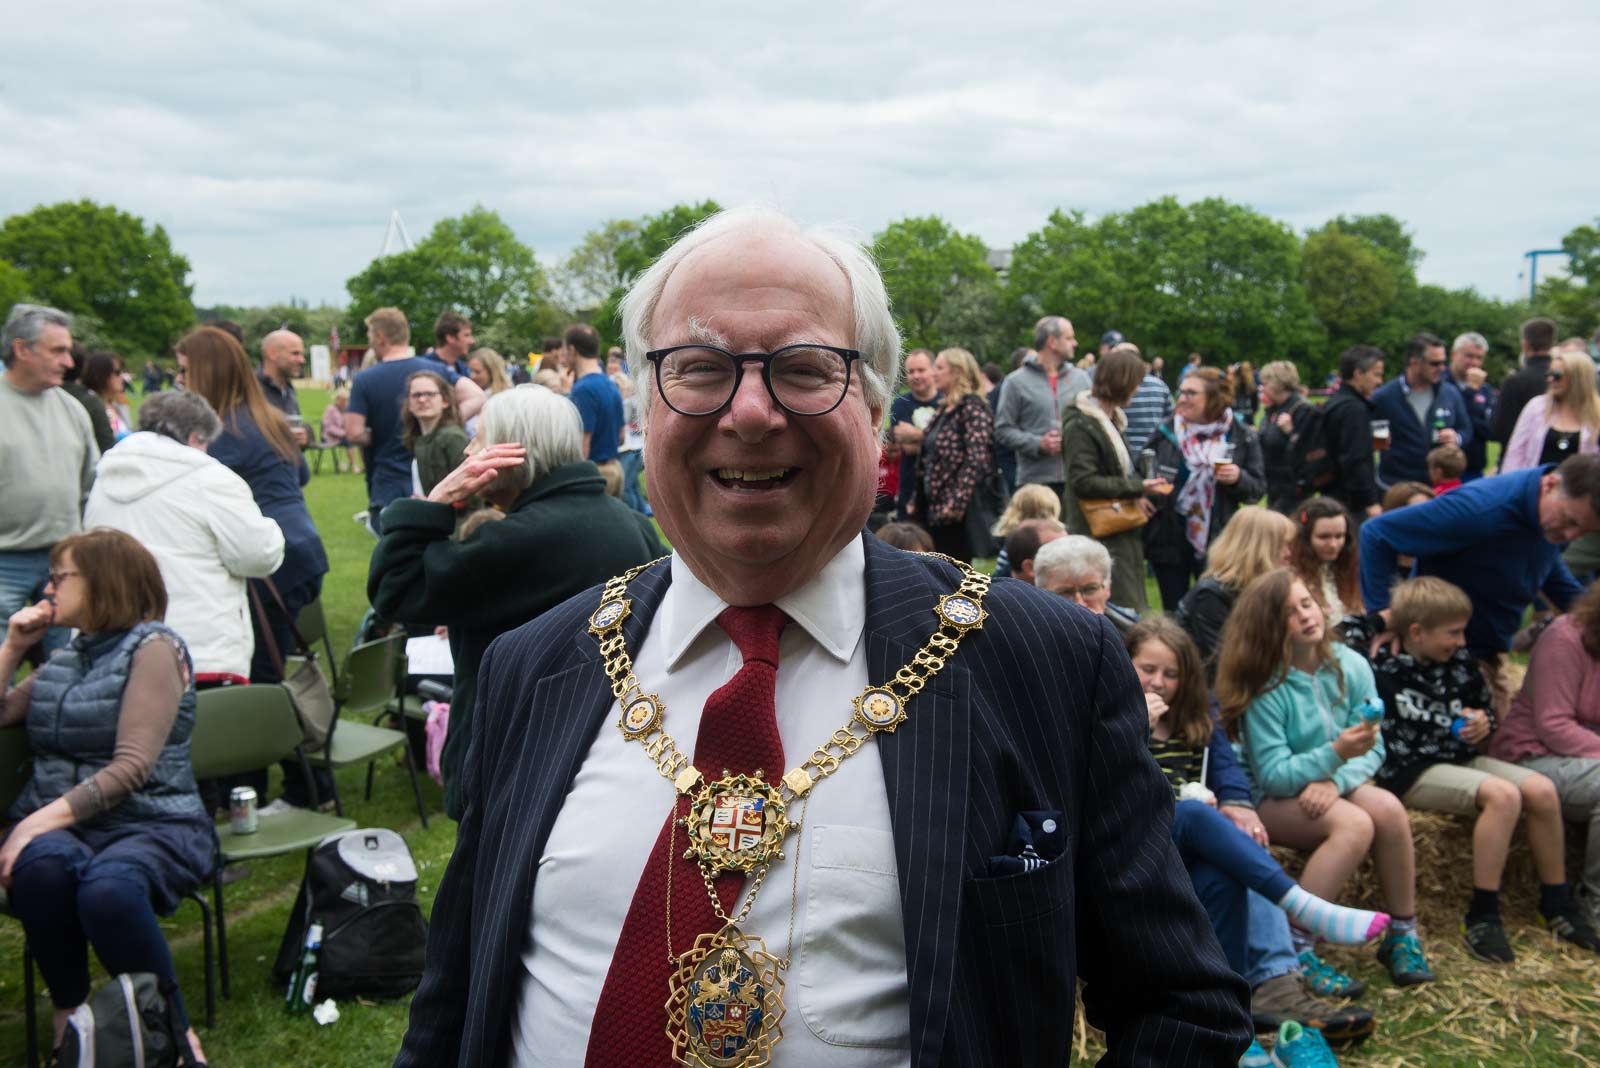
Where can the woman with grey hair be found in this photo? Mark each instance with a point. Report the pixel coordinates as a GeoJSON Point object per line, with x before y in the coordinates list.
{"type": "Point", "coordinates": [199, 521]}
{"type": "Point", "coordinates": [1079, 568]}
{"type": "Point", "coordinates": [561, 528]}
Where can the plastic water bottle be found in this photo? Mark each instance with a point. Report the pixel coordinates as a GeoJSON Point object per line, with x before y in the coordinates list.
{"type": "Point", "coordinates": [303, 985]}
{"type": "Point", "coordinates": [1456, 726]}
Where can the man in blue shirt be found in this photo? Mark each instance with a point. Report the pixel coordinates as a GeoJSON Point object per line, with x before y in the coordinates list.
{"type": "Point", "coordinates": [1497, 538]}
{"type": "Point", "coordinates": [1423, 411]}
{"type": "Point", "coordinates": [452, 341]}
{"type": "Point", "coordinates": [377, 398]}
{"type": "Point", "coordinates": [1467, 375]}
{"type": "Point", "coordinates": [596, 397]}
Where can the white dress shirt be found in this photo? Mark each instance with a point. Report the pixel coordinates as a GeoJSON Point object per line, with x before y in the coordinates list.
{"type": "Point", "coordinates": [845, 993]}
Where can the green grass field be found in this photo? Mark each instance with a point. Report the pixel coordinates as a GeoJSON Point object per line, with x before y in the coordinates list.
{"type": "Point", "coordinates": [1545, 1010]}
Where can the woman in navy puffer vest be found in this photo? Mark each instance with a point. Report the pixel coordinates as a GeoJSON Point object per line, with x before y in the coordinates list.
{"type": "Point", "coordinates": [109, 828]}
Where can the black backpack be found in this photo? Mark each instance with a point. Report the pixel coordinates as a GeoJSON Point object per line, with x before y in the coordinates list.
{"type": "Point", "coordinates": [361, 886]}
{"type": "Point", "coordinates": [127, 1023]}
{"type": "Point", "coordinates": [1309, 457]}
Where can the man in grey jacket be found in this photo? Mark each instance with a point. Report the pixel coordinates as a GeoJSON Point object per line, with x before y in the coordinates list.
{"type": "Point", "coordinates": [1029, 418]}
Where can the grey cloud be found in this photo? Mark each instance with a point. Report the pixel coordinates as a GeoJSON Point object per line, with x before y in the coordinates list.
{"type": "Point", "coordinates": [272, 140]}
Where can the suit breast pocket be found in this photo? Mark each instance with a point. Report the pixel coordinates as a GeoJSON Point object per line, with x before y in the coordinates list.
{"type": "Point", "coordinates": [1005, 900]}
{"type": "Point", "coordinates": [852, 967]}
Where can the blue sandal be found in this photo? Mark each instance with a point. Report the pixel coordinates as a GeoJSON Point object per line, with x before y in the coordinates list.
{"type": "Point", "coordinates": [1326, 980]}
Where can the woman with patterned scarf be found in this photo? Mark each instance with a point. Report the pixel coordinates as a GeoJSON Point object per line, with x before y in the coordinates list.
{"type": "Point", "coordinates": [1214, 462]}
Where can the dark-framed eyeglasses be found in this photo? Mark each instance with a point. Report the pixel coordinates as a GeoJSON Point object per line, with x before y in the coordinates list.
{"type": "Point", "coordinates": [429, 395]}
{"type": "Point", "coordinates": [803, 379]}
{"type": "Point", "coordinates": [58, 577]}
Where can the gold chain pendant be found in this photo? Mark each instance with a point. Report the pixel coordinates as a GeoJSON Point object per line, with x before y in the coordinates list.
{"type": "Point", "coordinates": [725, 1003]}
{"type": "Point", "coordinates": [737, 823]}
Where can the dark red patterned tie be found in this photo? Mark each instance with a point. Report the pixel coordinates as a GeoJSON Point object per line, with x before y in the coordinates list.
{"type": "Point", "coordinates": [738, 731]}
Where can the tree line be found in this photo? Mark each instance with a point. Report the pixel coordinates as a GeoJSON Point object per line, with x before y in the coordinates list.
{"type": "Point", "coordinates": [1210, 276]}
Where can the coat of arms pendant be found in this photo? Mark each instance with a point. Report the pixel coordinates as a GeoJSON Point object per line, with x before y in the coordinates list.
{"type": "Point", "coordinates": [725, 1008]}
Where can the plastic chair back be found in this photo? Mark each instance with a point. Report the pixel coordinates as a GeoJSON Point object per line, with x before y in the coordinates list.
{"type": "Point", "coordinates": [312, 622]}
{"type": "Point", "coordinates": [370, 676]}
{"type": "Point", "coordinates": [15, 758]}
{"type": "Point", "coordinates": [242, 728]}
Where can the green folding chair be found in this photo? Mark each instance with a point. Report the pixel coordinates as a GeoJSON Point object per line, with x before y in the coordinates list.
{"type": "Point", "coordinates": [245, 728]}
{"type": "Point", "coordinates": [312, 623]}
{"type": "Point", "coordinates": [367, 685]}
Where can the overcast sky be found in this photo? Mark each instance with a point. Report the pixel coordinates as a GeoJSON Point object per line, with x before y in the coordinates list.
{"type": "Point", "coordinates": [272, 140]}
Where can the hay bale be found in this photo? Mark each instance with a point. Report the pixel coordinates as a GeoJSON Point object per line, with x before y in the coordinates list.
{"type": "Point", "coordinates": [1444, 872]}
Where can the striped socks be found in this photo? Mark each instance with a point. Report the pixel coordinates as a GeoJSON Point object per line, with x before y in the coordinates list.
{"type": "Point", "coordinates": [1335, 923]}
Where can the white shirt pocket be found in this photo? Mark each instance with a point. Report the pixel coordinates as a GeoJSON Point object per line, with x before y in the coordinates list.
{"type": "Point", "coordinates": [852, 967]}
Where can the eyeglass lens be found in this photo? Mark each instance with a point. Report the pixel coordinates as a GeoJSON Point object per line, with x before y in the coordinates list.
{"type": "Point", "coordinates": [805, 380]}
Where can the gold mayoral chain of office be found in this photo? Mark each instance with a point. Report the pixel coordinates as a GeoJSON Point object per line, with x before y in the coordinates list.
{"type": "Point", "coordinates": [739, 823]}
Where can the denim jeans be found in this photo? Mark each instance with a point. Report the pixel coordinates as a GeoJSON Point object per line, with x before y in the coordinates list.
{"type": "Point", "coordinates": [1270, 951]}
{"type": "Point", "coordinates": [632, 467]}
{"type": "Point", "coordinates": [23, 575]}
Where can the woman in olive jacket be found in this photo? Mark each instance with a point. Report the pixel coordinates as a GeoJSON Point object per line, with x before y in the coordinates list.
{"type": "Point", "coordinates": [1099, 467]}
{"type": "Point", "coordinates": [1206, 488]}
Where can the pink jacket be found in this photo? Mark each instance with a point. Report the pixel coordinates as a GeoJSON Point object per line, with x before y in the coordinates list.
{"type": "Point", "coordinates": [1527, 440]}
{"type": "Point", "coordinates": [333, 425]}
{"type": "Point", "coordinates": [1558, 711]}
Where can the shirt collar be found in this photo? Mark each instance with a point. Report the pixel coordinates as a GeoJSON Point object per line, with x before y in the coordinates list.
{"type": "Point", "coordinates": [831, 607]}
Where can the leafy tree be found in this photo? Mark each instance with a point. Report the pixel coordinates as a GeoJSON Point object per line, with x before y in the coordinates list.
{"type": "Point", "coordinates": [1210, 276]}
{"type": "Point", "coordinates": [1574, 301]}
{"type": "Point", "coordinates": [85, 257]}
{"type": "Point", "coordinates": [13, 287]}
{"type": "Point", "coordinates": [590, 272]}
{"type": "Point", "coordinates": [1351, 285]}
{"type": "Point", "coordinates": [1388, 234]}
{"type": "Point", "coordinates": [313, 324]}
{"type": "Point", "coordinates": [926, 263]}
{"type": "Point", "coordinates": [473, 264]}
{"type": "Point", "coordinates": [632, 256]}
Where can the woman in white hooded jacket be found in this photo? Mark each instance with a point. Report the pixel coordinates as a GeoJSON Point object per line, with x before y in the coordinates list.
{"type": "Point", "coordinates": [197, 518]}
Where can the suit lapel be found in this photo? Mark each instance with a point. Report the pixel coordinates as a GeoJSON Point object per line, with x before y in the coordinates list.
{"type": "Point", "coordinates": [563, 713]}
{"type": "Point", "coordinates": [925, 771]}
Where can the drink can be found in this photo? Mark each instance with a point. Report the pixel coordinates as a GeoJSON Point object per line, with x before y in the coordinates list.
{"type": "Point", "coordinates": [242, 810]}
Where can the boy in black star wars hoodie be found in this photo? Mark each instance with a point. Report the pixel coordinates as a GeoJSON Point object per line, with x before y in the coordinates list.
{"type": "Point", "coordinates": [1437, 717]}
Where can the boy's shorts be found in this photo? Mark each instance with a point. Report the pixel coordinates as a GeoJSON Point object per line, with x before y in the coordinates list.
{"type": "Point", "coordinates": [1453, 788]}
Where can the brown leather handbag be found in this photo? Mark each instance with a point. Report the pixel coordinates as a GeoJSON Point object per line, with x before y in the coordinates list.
{"type": "Point", "coordinates": [1111, 515]}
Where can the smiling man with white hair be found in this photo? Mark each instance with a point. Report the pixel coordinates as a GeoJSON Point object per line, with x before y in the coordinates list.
{"type": "Point", "coordinates": [807, 764]}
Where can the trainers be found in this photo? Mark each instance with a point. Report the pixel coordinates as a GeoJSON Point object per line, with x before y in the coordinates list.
{"type": "Point", "coordinates": [1486, 940]}
{"type": "Point", "coordinates": [1301, 1047]}
{"type": "Point", "coordinates": [1285, 997]}
{"type": "Point", "coordinates": [1255, 1057]}
{"type": "Point", "coordinates": [1402, 955]}
{"type": "Point", "coordinates": [1572, 926]}
{"type": "Point", "coordinates": [1328, 981]}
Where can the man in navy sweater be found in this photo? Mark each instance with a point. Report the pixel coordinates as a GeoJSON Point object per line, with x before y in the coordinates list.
{"type": "Point", "coordinates": [1423, 411]}
{"type": "Point", "coordinates": [1498, 538]}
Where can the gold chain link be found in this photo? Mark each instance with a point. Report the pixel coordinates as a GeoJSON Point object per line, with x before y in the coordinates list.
{"type": "Point", "coordinates": [670, 762]}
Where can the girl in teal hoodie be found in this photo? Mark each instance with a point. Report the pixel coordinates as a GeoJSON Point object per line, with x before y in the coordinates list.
{"type": "Point", "coordinates": [1295, 699]}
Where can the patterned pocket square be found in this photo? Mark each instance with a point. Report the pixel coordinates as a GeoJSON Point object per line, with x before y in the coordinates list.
{"type": "Point", "coordinates": [1036, 839]}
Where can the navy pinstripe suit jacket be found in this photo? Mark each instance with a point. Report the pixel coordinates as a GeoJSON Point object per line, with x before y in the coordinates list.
{"type": "Point", "coordinates": [1039, 710]}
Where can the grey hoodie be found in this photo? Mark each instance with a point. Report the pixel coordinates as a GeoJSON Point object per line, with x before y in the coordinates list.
{"type": "Point", "coordinates": [1028, 410]}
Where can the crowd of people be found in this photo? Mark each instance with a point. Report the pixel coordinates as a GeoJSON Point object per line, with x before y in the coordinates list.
{"type": "Point", "coordinates": [1341, 587]}
{"type": "Point", "coordinates": [1341, 583]}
